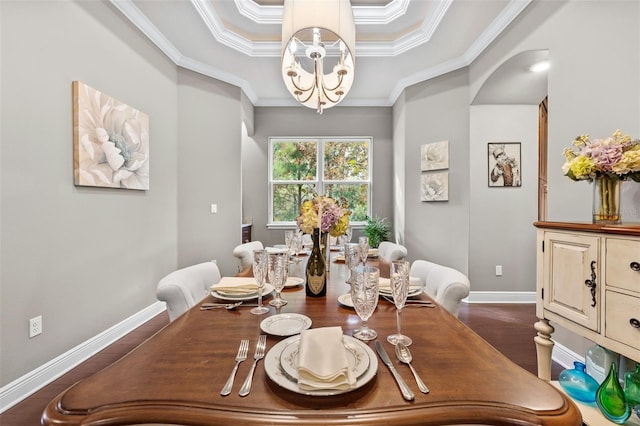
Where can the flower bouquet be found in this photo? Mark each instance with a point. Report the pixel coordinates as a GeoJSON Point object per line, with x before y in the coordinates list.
{"type": "Point", "coordinates": [606, 162]}
{"type": "Point", "coordinates": [325, 213]}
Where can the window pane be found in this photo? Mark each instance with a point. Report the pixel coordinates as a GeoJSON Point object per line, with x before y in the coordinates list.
{"type": "Point", "coordinates": [287, 199]}
{"type": "Point", "coordinates": [294, 161]}
{"type": "Point", "coordinates": [355, 194]}
{"type": "Point", "coordinates": [346, 161]}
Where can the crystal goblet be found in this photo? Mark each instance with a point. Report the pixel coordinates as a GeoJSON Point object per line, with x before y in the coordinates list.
{"type": "Point", "coordinates": [364, 295]}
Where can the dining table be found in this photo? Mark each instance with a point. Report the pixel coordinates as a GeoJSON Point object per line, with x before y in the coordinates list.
{"type": "Point", "coordinates": [176, 376]}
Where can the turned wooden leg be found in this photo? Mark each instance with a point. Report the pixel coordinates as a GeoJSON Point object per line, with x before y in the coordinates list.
{"type": "Point", "coordinates": [544, 348]}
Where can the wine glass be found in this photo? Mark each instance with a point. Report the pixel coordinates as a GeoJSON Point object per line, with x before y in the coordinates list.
{"type": "Point", "coordinates": [364, 295]}
{"type": "Point", "coordinates": [278, 264]}
{"type": "Point", "coordinates": [363, 249]}
{"type": "Point", "coordinates": [260, 266]}
{"type": "Point", "coordinates": [399, 278]}
{"type": "Point", "coordinates": [351, 258]}
{"type": "Point", "coordinates": [288, 240]}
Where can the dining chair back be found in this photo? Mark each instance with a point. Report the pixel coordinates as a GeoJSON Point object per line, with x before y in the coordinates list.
{"type": "Point", "coordinates": [183, 288]}
{"type": "Point", "coordinates": [244, 253]}
{"type": "Point", "coordinates": [447, 286]}
{"type": "Point", "coordinates": [391, 251]}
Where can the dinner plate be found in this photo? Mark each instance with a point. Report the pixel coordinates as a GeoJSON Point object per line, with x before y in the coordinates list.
{"type": "Point", "coordinates": [268, 288]}
{"type": "Point", "coordinates": [415, 287]}
{"type": "Point", "coordinates": [345, 300]}
{"type": "Point", "coordinates": [293, 282]}
{"type": "Point", "coordinates": [357, 358]}
{"type": "Point", "coordinates": [285, 324]}
{"type": "Point", "coordinates": [276, 372]}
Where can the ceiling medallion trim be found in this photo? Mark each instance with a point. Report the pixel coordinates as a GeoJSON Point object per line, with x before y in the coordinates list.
{"type": "Point", "coordinates": [363, 15]}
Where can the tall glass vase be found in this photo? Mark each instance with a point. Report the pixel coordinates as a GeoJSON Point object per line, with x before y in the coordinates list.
{"type": "Point", "coordinates": [606, 200]}
{"type": "Point", "coordinates": [611, 400]}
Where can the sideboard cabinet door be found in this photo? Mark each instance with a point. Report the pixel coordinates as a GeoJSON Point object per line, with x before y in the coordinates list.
{"type": "Point", "coordinates": [572, 278]}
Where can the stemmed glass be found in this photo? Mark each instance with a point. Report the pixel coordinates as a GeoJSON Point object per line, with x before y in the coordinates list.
{"type": "Point", "coordinates": [260, 266]}
{"type": "Point", "coordinates": [351, 258]}
{"type": "Point", "coordinates": [399, 277]}
{"type": "Point", "coordinates": [364, 295]}
{"type": "Point", "coordinates": [288, 240]}
{"type": "Point", "coordinates": [278, 264]}
{"type": "Point", "coordinates": [363, 249]}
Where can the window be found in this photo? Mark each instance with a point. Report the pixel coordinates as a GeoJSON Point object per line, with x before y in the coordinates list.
{"type": "Point", "coordinates": [336, 167]}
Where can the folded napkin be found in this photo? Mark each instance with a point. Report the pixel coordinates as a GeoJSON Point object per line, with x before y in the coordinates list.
{"type": "Point", "coordinates": [236, 285]}
{"type": "Point", "coordinates": [384, 284]}
{"type": "Point", "coordinates": [322, 360]}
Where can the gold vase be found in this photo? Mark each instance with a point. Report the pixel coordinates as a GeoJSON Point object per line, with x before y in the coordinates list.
{"type": "Point", "coordinates": [606, 200]}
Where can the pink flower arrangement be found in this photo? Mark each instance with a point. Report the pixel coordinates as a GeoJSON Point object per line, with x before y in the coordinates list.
{"type": "Point", "coordinates": [324, 213]}
{"type": "Point", "coordinates": [617, 156]}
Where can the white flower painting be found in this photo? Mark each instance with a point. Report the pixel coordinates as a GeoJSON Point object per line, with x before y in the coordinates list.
{"type": "Point", "coordinates": [434, 156]}
{"type": "Point", "coordinates": [435, 187]}
{"type": "Point", "coordinates": [110, 141]}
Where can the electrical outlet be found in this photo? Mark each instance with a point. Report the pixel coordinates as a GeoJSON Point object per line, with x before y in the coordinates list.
{"type": "Point", "coordinates": [35, 326]}
{"type": "Point", "coordinates": [498, 270]}
{"type": "Point", "coordinates": [214, 208]}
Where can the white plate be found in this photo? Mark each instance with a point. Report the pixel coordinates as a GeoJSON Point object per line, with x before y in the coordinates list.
{"type": "Point", "coordinates": [412, 292]}
{"type": "Point", "coordinates": [357, 358]}
{"type": "Point", "coordinates": [293, 282]}
{"type": "Point", "coordinates": [276, 373]}
{"type": "Point", "coordinates": [345, 300]}
{"type": "Point", "coordinates": [285, 324]}
{"type": "Point", "coordinates": [268, 288]}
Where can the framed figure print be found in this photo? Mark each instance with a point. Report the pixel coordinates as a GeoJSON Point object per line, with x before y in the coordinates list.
{"type": "Point", "coordinates": [504, 164]}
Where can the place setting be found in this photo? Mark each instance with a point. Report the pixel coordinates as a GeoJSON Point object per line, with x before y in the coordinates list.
{"type": "Point", "coordinates": [321, 362]}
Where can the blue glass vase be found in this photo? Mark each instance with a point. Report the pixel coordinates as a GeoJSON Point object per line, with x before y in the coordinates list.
{"type": "Point", "coordinates": [578, 384]}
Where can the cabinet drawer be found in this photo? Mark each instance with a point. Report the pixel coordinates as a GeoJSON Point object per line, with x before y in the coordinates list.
{"type": "Point", "coordinates": [621, 309]}
{"type": "Point", "coordinates": [622, 257]}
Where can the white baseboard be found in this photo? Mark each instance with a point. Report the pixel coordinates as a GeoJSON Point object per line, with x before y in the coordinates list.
{"type": "Point", "coordinates": [501, 297]}
{"type": "Point", "coordinates": [24, 386]}
{"type": "Point", "coordinates": [565, 356]}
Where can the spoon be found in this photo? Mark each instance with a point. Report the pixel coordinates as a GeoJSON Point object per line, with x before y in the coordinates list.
{"type": "Point", "coordinates": [228, 306]}
{"type": "Point", "coordinates": [404, 355]}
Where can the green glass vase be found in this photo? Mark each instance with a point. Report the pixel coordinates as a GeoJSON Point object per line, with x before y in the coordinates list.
{"type": "Point", "coordinates": [611, 400]}
{"type": "Point", "coordinates": [632, 389]}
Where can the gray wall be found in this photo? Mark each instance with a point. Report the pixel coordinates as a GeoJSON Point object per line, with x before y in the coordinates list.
{"type": "Point", "coordinates": [343, 121]}
{"type": "Point", "coordinates": [83, 258]}
{"type": "Point", "coordinates": [208, 171]}
{"type": "Point", "coordinates": [435, 111]}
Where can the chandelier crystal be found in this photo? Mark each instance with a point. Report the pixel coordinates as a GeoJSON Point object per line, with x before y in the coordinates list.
{"type": "Point", "coordinates": [318, 51]}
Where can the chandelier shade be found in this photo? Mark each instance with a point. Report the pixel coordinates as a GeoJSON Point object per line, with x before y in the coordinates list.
{"type": "Point", "coordinates": [318, 51]}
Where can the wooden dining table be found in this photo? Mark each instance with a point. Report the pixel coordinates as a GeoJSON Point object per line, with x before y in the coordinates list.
{"type": "Point", "coordinates": [175, 377]}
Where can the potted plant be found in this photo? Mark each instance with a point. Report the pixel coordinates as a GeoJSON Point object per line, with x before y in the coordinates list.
{"type": "Point", "coordinates": [377, 229]}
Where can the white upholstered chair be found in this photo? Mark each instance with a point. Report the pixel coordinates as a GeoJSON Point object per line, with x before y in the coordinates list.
{"type": "Point", "coordinates": [244, 253]}
{"type": "Point", "coordinates": [391, 251]}
{"type": "Point", "coordinates": [183, 288]}
{"type": "Point", "coordinates": [447, 286]}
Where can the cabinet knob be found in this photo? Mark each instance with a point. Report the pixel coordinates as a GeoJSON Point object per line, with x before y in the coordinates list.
{"type": "Point", "coordinates": [634, 323]}
{"type": "Point", "coordinates": [635, 266]}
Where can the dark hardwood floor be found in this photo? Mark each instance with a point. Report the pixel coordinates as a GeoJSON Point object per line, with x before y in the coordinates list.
{"type": "Point", "coordinates": [508, 327]}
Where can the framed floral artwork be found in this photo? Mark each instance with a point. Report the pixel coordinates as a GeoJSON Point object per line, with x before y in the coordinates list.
{"type": "Point", "coordinates": [434, 156]}
{"type": "Point", "coordinates": [434, 187]}
{"type": "Point", "coordinates": [504, 164]}
{"type": "Point", "coordinates": [110, 141]}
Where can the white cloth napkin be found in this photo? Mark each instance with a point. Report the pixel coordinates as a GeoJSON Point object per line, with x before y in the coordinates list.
{"type": "Point", "coordinates": [236, 285]}
{"type": "Point", "coordinates": [384, 284]}
{"type": "Point", "coordinates": [322, 360]}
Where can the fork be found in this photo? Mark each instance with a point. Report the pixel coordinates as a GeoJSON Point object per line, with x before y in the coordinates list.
{"type": "Point", "coordinates": [241, 356]}
{"type": "Point", "coordinates": [260, 347]}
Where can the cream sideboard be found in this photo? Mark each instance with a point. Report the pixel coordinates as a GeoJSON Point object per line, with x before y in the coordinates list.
{"type": "Point", "coordinates": [588, 281]}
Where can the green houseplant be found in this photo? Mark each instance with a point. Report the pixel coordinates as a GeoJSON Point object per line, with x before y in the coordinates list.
{"type": "Point", "coordinates": [377, 229]}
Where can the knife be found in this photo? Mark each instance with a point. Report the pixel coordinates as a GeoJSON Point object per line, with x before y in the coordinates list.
{"type": "Point", "coordinates": [406, 392]}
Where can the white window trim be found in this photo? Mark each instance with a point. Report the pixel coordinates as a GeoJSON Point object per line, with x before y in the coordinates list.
{"type": "Point", "coordinates": [319, 181]}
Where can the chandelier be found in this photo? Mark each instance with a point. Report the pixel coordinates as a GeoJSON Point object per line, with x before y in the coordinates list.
{"type": "Point", "coordinates": [318, 36]}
